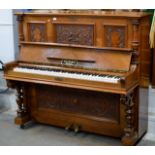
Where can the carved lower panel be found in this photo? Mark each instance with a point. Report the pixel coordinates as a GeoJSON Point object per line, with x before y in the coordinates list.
{"type": "Point", "coordinates": [75, 34]}
{"type": "Point", "coordinates": [37, 32]}
{"type": "Point", "coordinates": [114, 36]}
{"type": "Point", "coordinates": [89, 103]}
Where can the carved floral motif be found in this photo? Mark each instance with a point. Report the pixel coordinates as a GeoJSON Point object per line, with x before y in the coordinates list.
{"type": "Point", "coordinates": [75, 34]}
{"type": "Point", "coordinates": [37, 32]}
{"type": "Point", "coordinates": [22, 109]}
{"type": "Point", "coordinates": [114, 36]}
{"type": "Point", "coordinates": [129, 114]}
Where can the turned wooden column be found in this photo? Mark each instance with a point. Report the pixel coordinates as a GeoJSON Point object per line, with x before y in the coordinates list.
{"type": "Point", "coordinates": [20, 101]}
{"type": "Point", "coordinates": [22, 111]}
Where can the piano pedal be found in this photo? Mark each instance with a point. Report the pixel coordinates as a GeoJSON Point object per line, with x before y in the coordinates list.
{"type": "Point", "coordinates": [68, 127]}
{"type": "Point", "coordinates": [76, 128]}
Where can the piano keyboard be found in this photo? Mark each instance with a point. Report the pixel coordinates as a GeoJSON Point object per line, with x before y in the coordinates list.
{"type": "Point", "coordinates": [68, 74]}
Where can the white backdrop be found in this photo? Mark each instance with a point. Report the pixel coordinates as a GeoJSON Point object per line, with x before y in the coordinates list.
{"type": "Point", "coordinates": [6, 36]}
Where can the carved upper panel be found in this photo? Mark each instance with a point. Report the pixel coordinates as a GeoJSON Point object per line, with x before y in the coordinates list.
{"type": "Point", "coordinates": [75, 34]}
{"type": "Point", "coordinates": [114, 36]}
{"type": "Point", "coordinates": [37, 32]}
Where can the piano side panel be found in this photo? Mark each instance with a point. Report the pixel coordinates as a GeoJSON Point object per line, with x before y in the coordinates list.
{"type": "Point", "coordinates": [143, 111]}
{"type": "Point", "coordinates": [145, 56]}
{"type": "Point", "coordinates": [153, 67]}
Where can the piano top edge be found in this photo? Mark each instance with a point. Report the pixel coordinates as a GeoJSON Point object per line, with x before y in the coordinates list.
{"type": "Point", "coordinates": [89, 13]}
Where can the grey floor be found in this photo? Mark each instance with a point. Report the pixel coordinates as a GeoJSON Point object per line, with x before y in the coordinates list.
{"type": "Point", "coordinates": [44, 135]}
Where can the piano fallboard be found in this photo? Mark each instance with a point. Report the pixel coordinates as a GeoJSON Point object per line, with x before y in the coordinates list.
{"type": "Point", "coordinates": [76, 56]}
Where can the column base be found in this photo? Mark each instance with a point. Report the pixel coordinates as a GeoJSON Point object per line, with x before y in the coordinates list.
{"type": "Point", "coordinates": [130, 140]}
{"type": "Point", "coordinates": [22, 120]}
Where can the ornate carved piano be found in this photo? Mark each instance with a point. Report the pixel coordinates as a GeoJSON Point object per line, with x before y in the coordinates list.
{"type": "Point", "coordinates": [83, 70]}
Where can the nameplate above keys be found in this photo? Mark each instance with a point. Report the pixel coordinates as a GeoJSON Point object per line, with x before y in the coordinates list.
{"type": "Point", "coordinates": [69, 62]}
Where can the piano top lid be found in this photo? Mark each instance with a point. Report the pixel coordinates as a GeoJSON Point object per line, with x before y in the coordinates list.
{"type": "Point", "coordinates": [113, 60]}
{"type": "Point", "coordinates": [71, 12]}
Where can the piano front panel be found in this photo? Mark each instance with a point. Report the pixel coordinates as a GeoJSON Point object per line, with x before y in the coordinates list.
{"type": "Point", "coordinates": [88, 103]}
{"type": "Point", "coordinates": [88, 30]}
{"type": "Point", "coordinates": [90, 110]}
{"type": "Point", "coordinates": [97, 58]}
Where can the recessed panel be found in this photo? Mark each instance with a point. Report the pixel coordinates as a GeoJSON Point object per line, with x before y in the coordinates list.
{"type": "Point", "coordinates": [76, 101]}
{"type": "Point", "coordinates": [115, 36]}
{"type": "Point", "coordinates": [37, 32]}
{"type": "Point", "coordinates": [75, 34]}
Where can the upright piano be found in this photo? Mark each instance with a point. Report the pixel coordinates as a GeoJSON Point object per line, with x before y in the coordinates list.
{"type": "Point", "coordinates": [83, 71]}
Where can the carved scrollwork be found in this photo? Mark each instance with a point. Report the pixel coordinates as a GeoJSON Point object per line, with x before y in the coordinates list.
{"type": "Point", "coordinates": [75, 34]}
{"type": "Point", "coordinates": [78, 101]}
{"type": "Point", "coordinates": [22, 109]}
{"type": "Point", "coordinates": [129, 116]}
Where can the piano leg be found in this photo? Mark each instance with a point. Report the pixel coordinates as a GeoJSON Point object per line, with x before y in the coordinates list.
{"type": "Point", "coordinates": [22, 112]}
{"type": "Point", "coordinates": [130, 135]}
